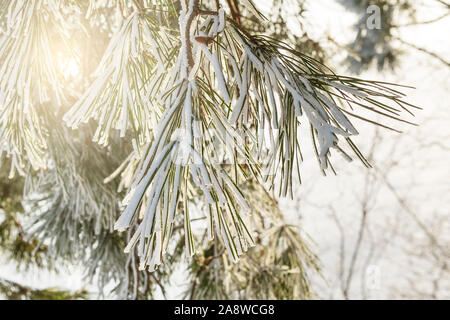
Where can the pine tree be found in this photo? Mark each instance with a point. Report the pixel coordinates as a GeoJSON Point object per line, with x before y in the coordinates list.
{"type": "Point", "coordinates": [178, 144]}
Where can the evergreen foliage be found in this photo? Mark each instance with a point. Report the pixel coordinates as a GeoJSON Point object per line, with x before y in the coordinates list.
{"type": "Point", "coordinates": [180, 129]}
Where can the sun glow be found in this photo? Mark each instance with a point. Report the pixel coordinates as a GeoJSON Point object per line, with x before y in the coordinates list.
{"type": "Point", "coordinates": [68, 66]}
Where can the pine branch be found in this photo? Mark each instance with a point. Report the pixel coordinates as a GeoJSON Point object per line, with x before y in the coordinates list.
{"type": "Point", "coordinates": [426, 51]}
{"type": "Point", "coordinates": [15, 291]}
